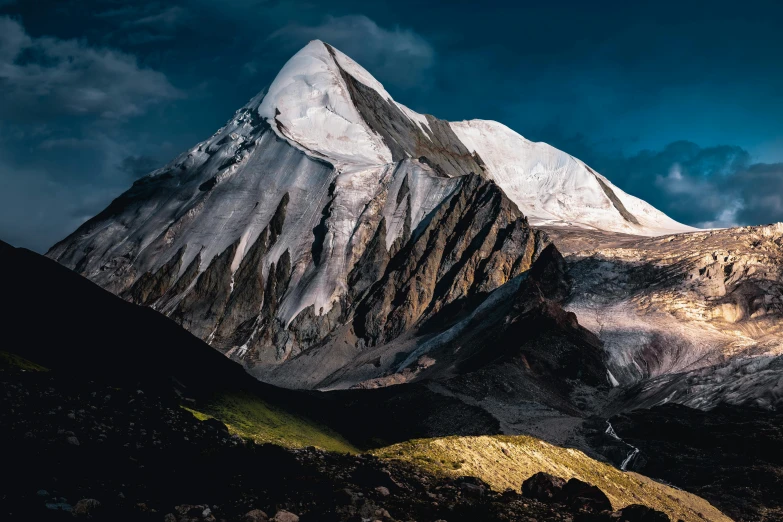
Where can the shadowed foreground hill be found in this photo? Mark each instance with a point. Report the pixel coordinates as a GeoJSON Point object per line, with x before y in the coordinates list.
{"type": "Point", "coordinates": [62, 321]}
{"type": "Point", "coordinates": [125, 426]}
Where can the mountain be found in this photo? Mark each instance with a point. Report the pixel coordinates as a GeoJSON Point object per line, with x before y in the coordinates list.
{"type": "Point", "coordinates": [325, 218]}
{"type": "Point", "coordinates": [129, 426]}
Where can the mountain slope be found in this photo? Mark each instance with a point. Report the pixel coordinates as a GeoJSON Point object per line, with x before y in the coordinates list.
{"type": "Point", "coordinates": [90, 334]}
{"type": "Point", "coordinates": [324, 211]}
{"type": "Point", "coordinates": [689, 318]}
{"type": "Point", "coordinates": [555, 189]}
{"type": "Point", "coordinates": [107, 422]}
{"type": "Point", "coordinates": [504, 462]}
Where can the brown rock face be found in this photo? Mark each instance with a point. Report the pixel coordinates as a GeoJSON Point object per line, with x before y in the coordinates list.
{"type": "Point", "coordinates": [151, 287]}
{"type": "Point", "coordinates": [471, 245]}
{"type": "Point", "coordinates": [202, 308]}
{"type": "Point", "coordinates": [706, 306]}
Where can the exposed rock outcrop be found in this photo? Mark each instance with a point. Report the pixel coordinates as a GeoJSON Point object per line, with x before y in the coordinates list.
{"type": "Point", "coordinates": [687, 311]}
{"type": "Point", "coordinates": [471, 245]}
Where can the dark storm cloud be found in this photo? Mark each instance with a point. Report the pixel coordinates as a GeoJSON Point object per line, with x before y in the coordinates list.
{"type": "Point", "coordinates": [46, 77]}
{"type": "Point", "coordinates": [64, 153]}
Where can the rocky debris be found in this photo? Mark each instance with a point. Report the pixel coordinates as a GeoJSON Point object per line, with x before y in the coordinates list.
{"type": "Point", "coordinates": [86, 507]}
{"type": "Point", "coordinates": [587, 502]}
{"type": "Point", "coordinates": [193, 513]}
{"type": "Point", "coordinates": [729, 456]}
{"type": "Point", "coordinates": [144, 458]}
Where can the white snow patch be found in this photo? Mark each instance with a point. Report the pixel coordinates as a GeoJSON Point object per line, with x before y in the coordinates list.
{"type": "Point", "coordinates": [553, 188]}
{"type": "Point", "coordinates": [316, 110]}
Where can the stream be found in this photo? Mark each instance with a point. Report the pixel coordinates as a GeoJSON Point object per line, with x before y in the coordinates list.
{"type": "Point", "coordinates": [634, 450]}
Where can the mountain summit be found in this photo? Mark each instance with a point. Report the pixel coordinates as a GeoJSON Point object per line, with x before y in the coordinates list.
{"type": "Point", "coordinates": [325, 218]}
{"type": "Point", "coordinates": [329, 106]}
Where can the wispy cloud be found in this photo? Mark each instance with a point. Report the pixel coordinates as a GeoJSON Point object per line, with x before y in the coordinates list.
{"type": "Point", "coordinates": [702, 186]}
{"type": "Point", "coordinates": [396, 56]}
{"type": "Point", "coordinates": [47, 76]}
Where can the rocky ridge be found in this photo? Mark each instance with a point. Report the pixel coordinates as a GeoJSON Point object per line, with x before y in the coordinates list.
{"type": "Point", "coordinates": [692, 318]}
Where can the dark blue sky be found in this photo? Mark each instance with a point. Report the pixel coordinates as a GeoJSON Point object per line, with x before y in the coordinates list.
{"type": "Point", "coordinates": [679, 103]}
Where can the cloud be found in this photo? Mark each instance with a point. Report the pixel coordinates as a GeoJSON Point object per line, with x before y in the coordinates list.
{"type": "Point", "coordinates": [46, 195]}
{"type": "Point", "coordinates": [146, 23]}
{"type": "Point", "coordinates": [171, 17]}
{"type": "Point", "coordinates": [67, 143]}
{"type": "Point", "coordinates": [37, 210]}
{"type": "Point", "coordinates": [249, 68]}
{"type": "Point", "coordinates": [702, 186]}
{"type": "Point", "coordinates": [46, 77]}
{"type": "Point", "coordinates": [396, 56]}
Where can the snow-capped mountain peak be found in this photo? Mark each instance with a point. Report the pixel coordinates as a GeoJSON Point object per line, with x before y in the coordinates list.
{"type": "Point", "coordinates": [314, 105]}
{"type": "Point", "coordinates": [554, 188]}
{"type": "Point", "coordinates": [324, 205]}
{"type": "Point", "coordinates": [309, 104]}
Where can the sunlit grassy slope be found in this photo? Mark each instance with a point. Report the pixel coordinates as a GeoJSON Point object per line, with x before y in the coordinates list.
{"type": "Point", "coordinates": [506, 461]}
{"type": "Point", "coordinates": [10, 360]}
{"type": "Point", "coordinates": [502, 461]}
{"type": "Point", "coordinates": [253, 418]}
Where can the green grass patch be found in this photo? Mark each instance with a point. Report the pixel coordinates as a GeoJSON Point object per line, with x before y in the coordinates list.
{"type": "Point", "coordinates": [252, 418]}
{"type": "Point", "coordinates": [10, 361]}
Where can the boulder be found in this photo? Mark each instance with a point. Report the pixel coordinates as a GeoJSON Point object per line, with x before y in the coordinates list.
{"type": "Point", "coordinates": [255, 515]}
{"type": "Point", "coordinates": [544, 487]}
{"type": "Point", "coordinates": [581, 496]}
{"type": "Point", "coordinates": [86, 507]}
{"type": "Point", "coordinates": [215, 424]}
{"type": "Point", "coordinates": [285, 516]}
{"type": "Point", "coordinates": [472, 490]}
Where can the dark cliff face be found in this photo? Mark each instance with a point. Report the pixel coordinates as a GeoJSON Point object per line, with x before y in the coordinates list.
{"type": "Point", "coordinates": [730, 455]}
{"type": "Point", "coordinates": [519, 346]}
{"type": "Point", "coordinates": [472, 244]}
{"type": "Point", "coordinates": [437, 146]}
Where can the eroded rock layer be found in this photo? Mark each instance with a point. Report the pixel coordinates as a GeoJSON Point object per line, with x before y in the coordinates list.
{"type": "Point", "coordinates": [690, 318]}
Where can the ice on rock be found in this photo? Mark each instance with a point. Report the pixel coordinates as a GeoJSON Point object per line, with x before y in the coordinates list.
{"type": "Point", "coordinates": [553, 188]}
{"type": "Point", "coordinates": [313, 107]}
